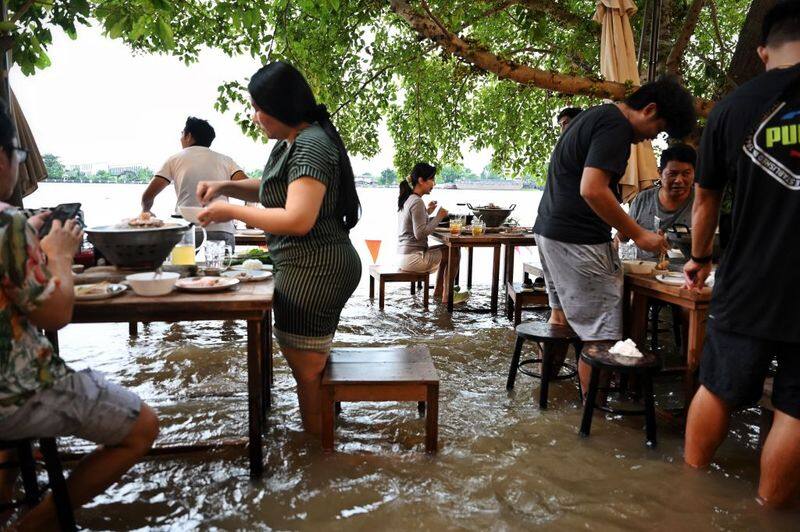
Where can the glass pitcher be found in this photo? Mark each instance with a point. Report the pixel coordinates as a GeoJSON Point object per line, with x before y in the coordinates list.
{"type": "Point", "coordinates": [185, 251]}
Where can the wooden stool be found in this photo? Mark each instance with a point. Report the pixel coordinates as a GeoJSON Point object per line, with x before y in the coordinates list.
{"type": "Point", "coordinates": [598, 357]}
{"type": "Point", "coordinates": [387, 274]}
{"type": "Point", "coordinates": [55, 474]}
{"type": "Point", "coordinates": [519, 299]}
{"type": "Point", "coordinates": [381, 374]}
{"type": "Point", "coordinates": [546, 336]}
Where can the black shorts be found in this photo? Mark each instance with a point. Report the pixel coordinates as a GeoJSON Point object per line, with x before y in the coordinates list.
{"type": "Point", "coordinates": [734, 366]}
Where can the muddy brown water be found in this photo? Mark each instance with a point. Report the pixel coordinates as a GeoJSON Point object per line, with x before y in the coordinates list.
{"type": "Point", "coordinates": [503, 463]}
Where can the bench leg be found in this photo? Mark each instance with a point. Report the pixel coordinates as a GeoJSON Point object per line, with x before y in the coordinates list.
{"type": "Point", "coordinates": [327, 406]}
{"type": "Point", "coordinates": [133, 328]}
{"type": "Point", "coordinates": [27, 467]}
{"type": "Point", "coordinates": [381, 293]}
{"type": "Point", "coordinates": [649, 411]}
{"type": "Point", "coordinates": [413, 288]}
{"type": "Point", "coordinates": [426, 296]}
{"type": "Point", "coordinates": [421, 408]}
{"type": "Point", "coordinates": [58, 486]}
{"type": "Point", "coordinates": [517, 312]}
{"type": "Point", "coordinates": [371, 287]}
{"type": "Point", "coordinates": [547, 361]}
{"type": "Point", "coordinates": [512, 370]}
{"type": "Point", "coordinates": [588, 408]}
{"type": "Point", "coordinates": [432, 419]}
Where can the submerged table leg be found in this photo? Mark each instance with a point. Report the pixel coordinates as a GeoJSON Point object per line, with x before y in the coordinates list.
{"type": "Point", "coordinates": [495, 278]}
{"type": "Point", "coordinates": [266, 365]}
{"type": "Point", "coordinates": [255, 347]}
{"type": "Point", "coordinates": [508, 271]}
{"type": "Point", "coordinates": [694, 349]}
{"type": "Point", "coordinates": [451, 269]}
{"type": "Point", "coordinates": [470, 253]}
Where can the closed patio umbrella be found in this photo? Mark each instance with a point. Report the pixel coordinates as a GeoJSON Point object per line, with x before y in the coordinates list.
{"type": "Point", "coordinates": [33, 170]}
{"type": "Point", "coordinates": [618, 63]}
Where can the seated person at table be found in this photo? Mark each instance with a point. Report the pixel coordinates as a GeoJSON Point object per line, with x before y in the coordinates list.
{"type": "Point", "coordinates": [415, 225]}
{"type": "Point", "coordinates": [40, 396]}
{"type": "Point", "coordinates": [194, 163]}
{"type": "Point", "coordinates": [672, 200]}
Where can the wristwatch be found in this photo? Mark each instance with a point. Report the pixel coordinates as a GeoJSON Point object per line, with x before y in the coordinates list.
{"type": "Point", "coordinates": [701, 260]}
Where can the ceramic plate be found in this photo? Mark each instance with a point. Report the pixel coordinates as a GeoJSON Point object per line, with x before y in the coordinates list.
{"type": "Point", "coordinates": [672, 278]}
{"type": "Point", "coordinates": [92, 292]}
{"type": "Point", "coordinates": [248, 276]}
{"type": "Point", "coordinates": [199, 284]}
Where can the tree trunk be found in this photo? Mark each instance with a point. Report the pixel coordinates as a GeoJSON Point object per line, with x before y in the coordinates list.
{"type": "Point", "coordinates": [523, 74]}
{"type": "Point", "coordinates": [745, 63]}
{"type": "Point", "coordinates": [690, 22]}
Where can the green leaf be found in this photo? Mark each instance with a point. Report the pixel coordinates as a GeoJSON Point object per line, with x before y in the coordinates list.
{"type": "Point", "coordinates": [165, 34]}
{"type": "Point", "coordinates": [7, 26]}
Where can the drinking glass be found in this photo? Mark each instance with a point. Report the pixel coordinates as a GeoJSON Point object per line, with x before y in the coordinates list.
{"type": "Point", "coordinates": [456, 223]}
{"type": "Point", "coordinates": [478, 227]}
{"type": "Point", "coordinates": [217, 256]}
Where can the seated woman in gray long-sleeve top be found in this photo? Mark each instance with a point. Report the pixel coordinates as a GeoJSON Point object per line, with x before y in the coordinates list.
{"type": "Point", "coordinates": [415, 225]}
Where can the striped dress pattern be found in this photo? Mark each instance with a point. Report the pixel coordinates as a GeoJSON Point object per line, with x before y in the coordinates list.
{"type": "Point", "coordinates": [315, 274]}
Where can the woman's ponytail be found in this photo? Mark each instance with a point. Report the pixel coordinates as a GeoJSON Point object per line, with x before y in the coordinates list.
{"type": "Point", "coordinates": [405, 191]}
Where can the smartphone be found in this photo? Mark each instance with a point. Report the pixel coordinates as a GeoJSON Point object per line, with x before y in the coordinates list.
{"type": "Point", "coordinates": [62, 212]}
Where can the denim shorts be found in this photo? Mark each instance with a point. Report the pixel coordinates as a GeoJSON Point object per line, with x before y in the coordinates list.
{"type": "Point", "coordinates": [82, 404]}
{"type": "Point", "coordinates": [586, 282]}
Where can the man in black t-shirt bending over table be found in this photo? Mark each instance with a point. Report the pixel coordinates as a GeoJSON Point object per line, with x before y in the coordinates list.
{"type": "Point", "coordinates": [752, 142]}
{"type": "Point", "coordinates": [581, 203]}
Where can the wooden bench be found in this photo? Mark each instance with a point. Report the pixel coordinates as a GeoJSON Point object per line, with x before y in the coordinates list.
{"type": "Point", "coordinates": [387, 274]}
{"type": "Point", "coordinates": [381, 374]}
{"type": "Point", "coordinates": [519, 299]}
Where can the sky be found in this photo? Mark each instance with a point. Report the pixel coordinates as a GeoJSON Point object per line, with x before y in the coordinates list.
{"type": "Point", "coordinates": [101, 104]}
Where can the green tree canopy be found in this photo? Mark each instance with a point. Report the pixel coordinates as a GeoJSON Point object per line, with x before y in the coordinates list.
{"type": "Point", "coordinates": [443, 74]}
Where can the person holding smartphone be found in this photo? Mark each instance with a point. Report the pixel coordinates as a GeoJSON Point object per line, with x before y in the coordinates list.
{"type": "Point", "coordinates": [40, 396]}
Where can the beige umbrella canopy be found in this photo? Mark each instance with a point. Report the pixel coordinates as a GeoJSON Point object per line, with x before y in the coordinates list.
{"type": "Point", "coordinates": [33, 170]}
{"type": "Point", "coordinates": [618, 63]}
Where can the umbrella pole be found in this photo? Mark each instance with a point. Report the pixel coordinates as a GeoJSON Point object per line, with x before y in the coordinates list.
{"type": "Point", "coordinates": [655, 30]}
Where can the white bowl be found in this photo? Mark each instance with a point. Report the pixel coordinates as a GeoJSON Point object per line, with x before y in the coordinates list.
{"type": "Point", "coordinates": [150, 284]}
{"type": "Point", "coordinates": [641, 267]}
{"type": "Point", "coordinates": [190, 213]}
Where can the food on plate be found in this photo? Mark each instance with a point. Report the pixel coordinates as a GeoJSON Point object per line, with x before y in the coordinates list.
{"type": "Point", "coordinates": [252, 264]}
{"type": "Point", "coordinates": [257, 253]}
{"type": "Point", "coordinates": [96, 289]}
{"type": "Point", "coordinates": [145, 219]}
{"type": "Point", "coordinates": [663, 265]}
{"type": "Point", "coordinates": [202, 282]}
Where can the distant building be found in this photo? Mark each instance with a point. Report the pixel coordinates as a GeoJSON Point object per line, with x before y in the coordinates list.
{"type": "Point", "coordinates": [119, 170]}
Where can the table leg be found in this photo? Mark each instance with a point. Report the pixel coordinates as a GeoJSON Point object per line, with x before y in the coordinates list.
{"type": "Point", "coordinates": [508, 272]}
{"type": "Point", "coordinates": [254, 396]}
{"type": "Point", "coordinates": [133, 328]}
{"type": "Point", "coordinates": [495, 278]}
{"type": "Point", "coordinates": [266, 366]}
{"type": "Point", "coordinates": [470, 253]}
{"type": "Point", "coordinates": [637, 326]}
{"type": "Point", "coordinates": [694, 350]}
{"type": "Point", "coordinates": [328, 422]}
{"type": "Point", "coordinates": [451, 270]}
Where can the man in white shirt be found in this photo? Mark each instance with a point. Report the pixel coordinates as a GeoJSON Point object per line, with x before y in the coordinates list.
{"type": "Point", "coordinates": [194, 163]}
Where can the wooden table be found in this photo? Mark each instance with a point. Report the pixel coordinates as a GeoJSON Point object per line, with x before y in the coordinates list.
{"type": "Point", "coordinates": [249, 239]}
{"type": "Point", "coordinates": [639, 289]}
{"type": "Point", "coordinates": [251, 302]}
{"type": "Point", "coordinates": [496, 241]}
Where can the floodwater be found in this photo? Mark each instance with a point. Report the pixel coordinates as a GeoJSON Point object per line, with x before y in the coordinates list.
{"type": "Point", "coordinates": [503, 464]}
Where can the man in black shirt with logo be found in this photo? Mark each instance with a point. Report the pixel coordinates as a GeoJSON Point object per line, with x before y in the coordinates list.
{"type": "Point", "coordinates": [581, 203]}
{"type": "Point", "coordinates": [752, 143]}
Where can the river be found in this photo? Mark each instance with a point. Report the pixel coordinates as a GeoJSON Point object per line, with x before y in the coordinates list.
{"type": "Point", "coordinates": [503, 463]}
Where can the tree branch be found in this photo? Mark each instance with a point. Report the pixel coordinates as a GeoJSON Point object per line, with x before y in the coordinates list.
{"type": "Point", "coordinates": [556, 10]}
{"type": "Point", "coordinates": [689, 24]}
{"type": "Point", "coordinates": [19, 13]}
{"type": "Point", "coordinates": [715, 20]}
{"type": "Point", "coordinates": [523, 74]}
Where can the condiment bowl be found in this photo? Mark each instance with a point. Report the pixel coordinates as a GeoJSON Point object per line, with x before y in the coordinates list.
{"type": "Point", "coordinates": [151, 284]}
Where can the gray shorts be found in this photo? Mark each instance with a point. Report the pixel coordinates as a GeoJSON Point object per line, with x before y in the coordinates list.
{"type": "Point", "coordinates": [586, 282]}
{"type": "Point", "coordinates": [82, 404]}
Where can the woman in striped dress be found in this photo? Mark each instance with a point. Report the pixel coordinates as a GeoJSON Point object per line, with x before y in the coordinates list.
{"type": "Point", "coordinates": [309, 192]}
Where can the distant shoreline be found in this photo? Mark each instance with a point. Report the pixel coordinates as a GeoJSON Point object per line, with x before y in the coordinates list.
{"type": "Point", "coordinates": [458, 186]}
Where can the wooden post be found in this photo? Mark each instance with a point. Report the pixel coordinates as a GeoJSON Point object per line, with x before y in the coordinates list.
{"type": "Point", "coordinates": [254, 398]}
{"type": "Point", "coordinates": [495, 278]}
